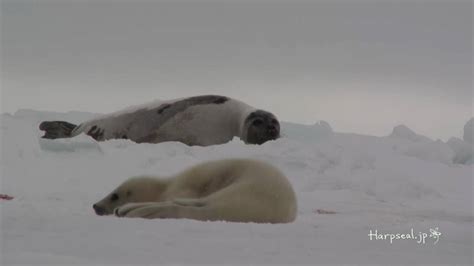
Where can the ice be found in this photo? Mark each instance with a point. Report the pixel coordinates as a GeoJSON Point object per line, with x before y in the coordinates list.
{"type": "Point", "coordinates": [403, 132]}
{"type": "Point", "coordinates": [462, 149]}
{"type": "Point", "coordinates": [390, 184]}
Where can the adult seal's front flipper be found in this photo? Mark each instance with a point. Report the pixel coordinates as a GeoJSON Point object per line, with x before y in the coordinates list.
{"type": "Point", "coordinates": [56, 129]}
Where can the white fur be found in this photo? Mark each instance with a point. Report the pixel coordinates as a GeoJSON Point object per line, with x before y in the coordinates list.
{"type": "Point", "coordinates": [203, 125]}
{"type": "Point", "coordinates": [236, 190]}
{"type": "Point", "coordinates": [210, 124]}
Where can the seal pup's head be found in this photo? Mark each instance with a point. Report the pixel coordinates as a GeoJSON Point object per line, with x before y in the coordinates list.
{"type": "Point", "coordinates": [261, 126]}
{"type": "Point", "coordinates": [135, 189]}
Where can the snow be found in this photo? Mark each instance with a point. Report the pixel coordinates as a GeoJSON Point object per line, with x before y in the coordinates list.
{"type": "Point", "coordinates": [403, 132]}
{"type": "Point", "coordinates": [463, 151]}
{"type": "Point", "coordinates": [391, 184]}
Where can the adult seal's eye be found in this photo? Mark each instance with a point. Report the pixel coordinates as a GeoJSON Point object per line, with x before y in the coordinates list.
{"type": "Point", "coordinates": [114, 197]}
{"type": "Point", "coordinates": [257, 122]}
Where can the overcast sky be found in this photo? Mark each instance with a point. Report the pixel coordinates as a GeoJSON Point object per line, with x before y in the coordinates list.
{"type": "Point", "coordinates": [363, 66]}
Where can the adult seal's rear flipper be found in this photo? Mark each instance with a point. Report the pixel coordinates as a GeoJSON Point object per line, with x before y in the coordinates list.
{"type": "Point", "coordinates": [57, 129]}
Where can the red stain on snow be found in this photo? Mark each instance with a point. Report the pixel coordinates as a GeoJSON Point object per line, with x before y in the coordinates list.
{"type": "Point", "coordinates": [320, 211]}
{"type": "Point", "coordinates": [5, 197]}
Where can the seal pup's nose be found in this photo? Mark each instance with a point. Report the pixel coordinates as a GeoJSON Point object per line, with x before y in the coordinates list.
{"type": "Point", "coordinates": [98, 210]}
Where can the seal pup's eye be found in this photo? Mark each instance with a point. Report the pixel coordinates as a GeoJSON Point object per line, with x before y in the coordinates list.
{"type": "Point", "coordinates": [274, 121]}
{"type": "Point", "coordinates": [114, 197]}
{"type": "Point", "coordinates": [257, 122]}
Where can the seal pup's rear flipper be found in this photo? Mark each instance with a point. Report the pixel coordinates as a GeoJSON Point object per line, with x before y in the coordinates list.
{"type": "Point", "coordinates": [56, 129]}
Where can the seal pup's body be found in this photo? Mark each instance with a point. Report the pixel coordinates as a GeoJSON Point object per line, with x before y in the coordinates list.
{"type": "Point", "coordinates": [236, 190]}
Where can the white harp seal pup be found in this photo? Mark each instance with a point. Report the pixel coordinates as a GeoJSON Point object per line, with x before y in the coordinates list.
{"type": "Point", "coordinates": [234, 190]}
{"type": "Point", "coordinates": [199, 120]}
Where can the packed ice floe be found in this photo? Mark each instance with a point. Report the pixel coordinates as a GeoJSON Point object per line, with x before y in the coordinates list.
{"type": "Point", "coordinates": [346, 185]}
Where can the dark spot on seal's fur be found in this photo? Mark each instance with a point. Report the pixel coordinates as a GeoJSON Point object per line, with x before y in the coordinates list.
{"type": "Point", "coordinates": [114, 197]}
{"type": "Point", "coordinates": [204, 99]}
{"type": "Point", "coordinates": [163, 108]}
{"type": "Point", "coordinates": [220, 100]}
{"type": "Point", "coordinates": [182, 105]}
{"type": "Point", "coordinates": [96, 133]}
{"type": "Point", "coordinates": [124, 137]}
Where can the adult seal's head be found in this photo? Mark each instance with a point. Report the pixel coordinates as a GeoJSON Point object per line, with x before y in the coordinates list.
{"type": "Point", "coordinates": [260, 126]}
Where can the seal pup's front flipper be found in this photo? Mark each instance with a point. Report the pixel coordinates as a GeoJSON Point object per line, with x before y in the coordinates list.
{"type": "Point", "coordinates": [189, 202]}
{"type": "Point", "coordinates": [56, 129]}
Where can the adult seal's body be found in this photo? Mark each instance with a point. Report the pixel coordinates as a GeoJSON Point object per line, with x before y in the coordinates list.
{"type": "Point", "coordinates": [235, 190]}
{"type": "Point", "coordinates": [200, 120]}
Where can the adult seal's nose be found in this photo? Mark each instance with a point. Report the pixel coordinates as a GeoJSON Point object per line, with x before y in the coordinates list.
{"type": "Point", "coordinates": [271, 129]}
{"type": "Point", "coordinates": [98, 210]}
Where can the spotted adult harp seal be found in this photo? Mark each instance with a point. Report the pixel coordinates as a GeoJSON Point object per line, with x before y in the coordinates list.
{"type": "Point", "coordinates": [199, 120]}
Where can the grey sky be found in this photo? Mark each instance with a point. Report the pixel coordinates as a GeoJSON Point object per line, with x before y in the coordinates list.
{"type": "Point", "coordinates": [363, 66]}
